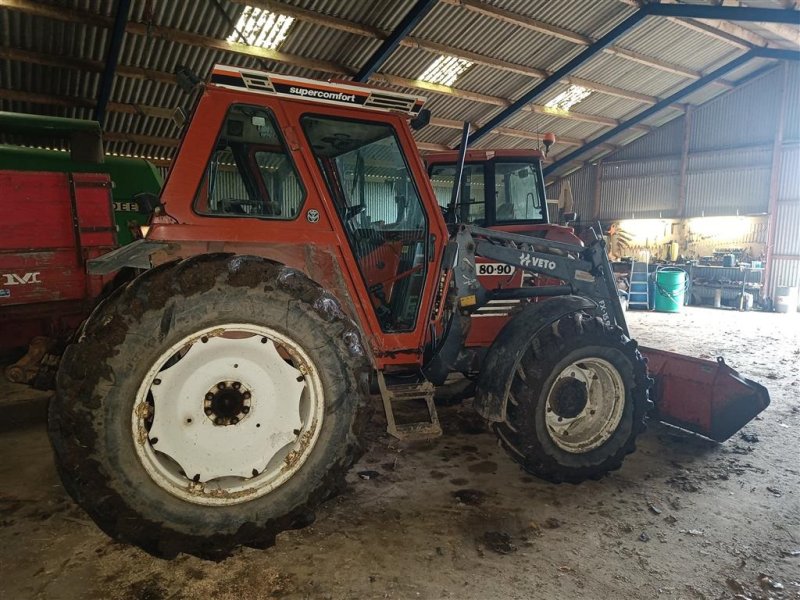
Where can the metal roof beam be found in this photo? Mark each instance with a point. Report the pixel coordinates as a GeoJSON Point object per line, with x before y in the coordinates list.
{"type": "Point", "coordinates": [590, 51]}
{"type": "Point", "coordinates": [723, 13]}
{"type": "Point", "coordinates": [606, 137]}
{"type": "Point", "coordinates": [725, 31]}
{"type": "Point", "coordinates": [776, 53]}
{"type": "Point", "coordinates": [112, 57]}
{"type": "Point", "coordinates": [389, 45]}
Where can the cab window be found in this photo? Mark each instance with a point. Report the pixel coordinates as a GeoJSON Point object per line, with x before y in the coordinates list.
{"type": "Point", "coordinates": [472, 201]}
{"type": "Point", "coordinates": [250, 172]}
{"type": "Point", "coordinates": [517, 195]}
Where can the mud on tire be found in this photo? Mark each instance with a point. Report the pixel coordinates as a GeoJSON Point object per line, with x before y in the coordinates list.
{"type": "Point", "coordinates": [90, 419]}
{"type": "Point", "coordinates": [524, 434]}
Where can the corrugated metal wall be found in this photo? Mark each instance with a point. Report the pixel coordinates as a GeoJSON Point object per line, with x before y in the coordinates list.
{"type": "Point", "coordinates": [747, 116]}
{"type": "Point", "coordinates": [729, 161]}
{"type": "Point", "coordinates": [645, 188]}
{"type": "Point", "coordinates": [583, 184]}
{"type": "Point", "coordinates": [728, 168]}
{"type": "Point", "coordinates": [664, 141]}
{"type": "Point", "coordinates": [786, 269]}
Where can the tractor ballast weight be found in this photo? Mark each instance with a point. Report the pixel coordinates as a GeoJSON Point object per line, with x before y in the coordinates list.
{"type": "Point", "coordinates": [216, 399]}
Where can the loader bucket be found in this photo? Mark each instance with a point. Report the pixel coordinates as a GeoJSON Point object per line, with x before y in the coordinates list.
{"type": "Point", "coordinates": [702, 396]}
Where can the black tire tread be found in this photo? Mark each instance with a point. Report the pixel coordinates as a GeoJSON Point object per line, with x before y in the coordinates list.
{"type": "Point", "coordinates": [514, 434]}
{"type": "Point", "coordinates": [72, 425]}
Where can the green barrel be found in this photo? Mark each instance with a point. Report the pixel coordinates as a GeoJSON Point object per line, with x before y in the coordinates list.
{"type": "Point", "coordinates": [670, 289]}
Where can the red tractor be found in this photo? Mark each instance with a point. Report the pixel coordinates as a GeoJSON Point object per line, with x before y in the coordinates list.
{"type": "Point", "coordinates": [297, 252]}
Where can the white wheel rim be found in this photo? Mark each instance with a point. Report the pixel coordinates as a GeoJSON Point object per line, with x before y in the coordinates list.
{"type": "Point", "coordinates": [584, 405]}
{"type": "Point", "coordinates": [227, 414]}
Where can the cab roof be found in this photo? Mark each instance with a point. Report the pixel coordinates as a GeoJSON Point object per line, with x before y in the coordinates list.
{"type": "Point", "coordinates": [327, 92]}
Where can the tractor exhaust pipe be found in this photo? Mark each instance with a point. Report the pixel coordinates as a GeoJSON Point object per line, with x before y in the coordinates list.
{"type": "Point", "coordinates": [456, 193]}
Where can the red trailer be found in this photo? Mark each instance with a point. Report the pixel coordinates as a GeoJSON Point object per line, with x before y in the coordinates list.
{"type": "Point", "coordinates": [52, 224]}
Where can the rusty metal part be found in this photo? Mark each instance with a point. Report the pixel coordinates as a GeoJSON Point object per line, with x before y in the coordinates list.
{"type": "Point", "coordinates": [25, 369]}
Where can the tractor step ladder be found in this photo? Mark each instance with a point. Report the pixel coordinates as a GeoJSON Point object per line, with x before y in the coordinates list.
{"type": "Point", "coordinates": [422, 430]}
{"type": "Point", "coordinates": [639, 294]}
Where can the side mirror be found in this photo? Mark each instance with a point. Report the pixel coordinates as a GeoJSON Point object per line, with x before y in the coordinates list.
{"type": "Point", "coordinates": [569, 217]}
{"type": "Point", "coordinates": [421, 120]}
{"type": "Point", "coordinates": [146, 203]}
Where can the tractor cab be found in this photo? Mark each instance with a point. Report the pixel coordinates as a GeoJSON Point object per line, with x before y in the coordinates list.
{"type": "Point", "coordinates": [500, 189]}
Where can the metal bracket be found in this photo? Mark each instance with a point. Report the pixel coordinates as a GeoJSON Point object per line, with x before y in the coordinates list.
{"type": "Point", "coordinates": [136, 255]}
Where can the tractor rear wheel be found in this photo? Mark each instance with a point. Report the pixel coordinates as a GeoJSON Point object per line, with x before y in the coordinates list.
{"type": "Point", "coordinates": [577, 401]}
{"type": "Point", "coordinates": [208, 404]}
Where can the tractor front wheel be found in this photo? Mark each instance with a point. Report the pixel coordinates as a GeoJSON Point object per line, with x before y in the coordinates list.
{"type": "Point", "coordinates": [577, 401]}
{"type": "Point", "coordinates": [208, 404]}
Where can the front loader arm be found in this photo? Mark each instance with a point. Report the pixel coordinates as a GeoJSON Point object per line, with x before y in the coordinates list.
{"type": "Point", "coordinates": [585, 272]}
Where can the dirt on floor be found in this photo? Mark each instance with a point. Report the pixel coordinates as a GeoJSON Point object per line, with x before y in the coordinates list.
{"type": "Point", "coordinates": [455, 518]}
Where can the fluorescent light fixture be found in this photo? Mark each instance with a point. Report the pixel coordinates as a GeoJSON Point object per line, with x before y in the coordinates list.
{"type": "Point", "coordinates": [445, 70]}
{"type": "Point", "coordinates": [262, 28]}
{"type": "Point", "coordinates": [721, 229]}
{"type": "Point", "coordinates": [568, 98]}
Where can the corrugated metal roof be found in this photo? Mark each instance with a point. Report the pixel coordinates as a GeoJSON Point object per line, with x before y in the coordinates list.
{"type": "Point", "coordinates": [665, 141]}
{"type": "Point", "coordinates": [586, 18]}
{"type": "Point", "coordinates": [684, 47]}
{"type": "Point", "coordinates": [68, 91]}
{"type": "Point", "coordinates": [712, 128]}
{"type": "Point", "coordinates": [617, 71]}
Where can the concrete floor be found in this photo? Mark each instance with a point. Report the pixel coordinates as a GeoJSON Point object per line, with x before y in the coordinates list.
{"type": "Point", "coordinates": [455, 518]}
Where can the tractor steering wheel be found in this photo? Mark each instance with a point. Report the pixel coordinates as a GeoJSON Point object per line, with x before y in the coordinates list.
{"type": "Point", "coordinates": [352, 211]}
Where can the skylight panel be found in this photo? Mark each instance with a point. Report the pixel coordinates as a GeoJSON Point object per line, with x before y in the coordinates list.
{"type": "Point", "coordinates": [262, 28]}
{"type": "Point", "coordinates": [568, 98]}
{"type": "Point", "coordinates": [445, 70]}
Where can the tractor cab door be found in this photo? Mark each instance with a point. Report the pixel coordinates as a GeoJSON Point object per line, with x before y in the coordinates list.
{"type": "Point", "coordinates": [373, 184]}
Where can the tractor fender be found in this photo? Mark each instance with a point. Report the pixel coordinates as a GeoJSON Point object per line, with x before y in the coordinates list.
{"type": "Point", "coordinates": [508, 347]}
{"type": "Point", "coordinates": [135, 255]}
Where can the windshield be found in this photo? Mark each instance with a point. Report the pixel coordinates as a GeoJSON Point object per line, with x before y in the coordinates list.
{"type": "Point", "coordinates": [515, 196]}
{"type": "Point", "coordinates": [517, 193]}
{"type": "Point", "coordinates": [378, 203]}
